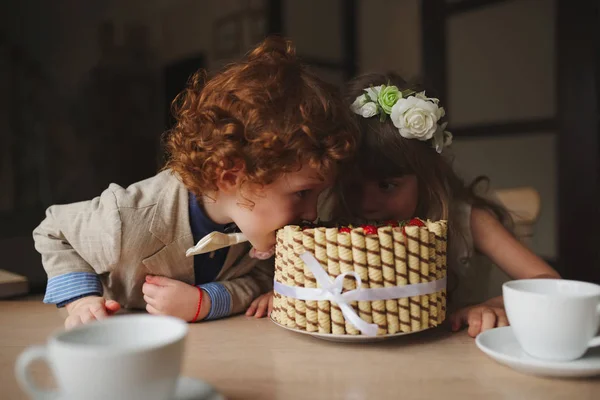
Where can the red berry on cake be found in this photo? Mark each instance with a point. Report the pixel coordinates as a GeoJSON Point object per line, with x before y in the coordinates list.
{"type": "Point", "coordinates": [412, 222]}
{"type": "Point", "coordinates": [369, 229]}
{"type": "Point", "coordinates": [345, 229]}
{"type": "Point", "coordinates": [416, 222]}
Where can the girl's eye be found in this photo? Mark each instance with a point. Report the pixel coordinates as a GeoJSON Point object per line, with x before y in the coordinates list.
{"type": "Point", "coordinates": [387, 186]}
{"type": "Point", "coordinates": [302, 194]}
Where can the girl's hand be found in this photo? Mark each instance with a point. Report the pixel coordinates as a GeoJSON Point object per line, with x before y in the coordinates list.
{"type": "Point", "coordinates": [261, 305]}
{"type": "Point", "coordinates": [88, 309]}
{"type": "Point", "coordinates": [165, 296]}
{"type": "Point", "coordinates": [479, 318]}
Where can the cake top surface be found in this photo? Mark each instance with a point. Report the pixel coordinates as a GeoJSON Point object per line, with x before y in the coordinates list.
{"type": "Point", "coordinates": [368, 227]}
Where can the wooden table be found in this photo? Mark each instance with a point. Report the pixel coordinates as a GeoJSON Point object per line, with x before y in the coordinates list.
{"type": "Point", "coordinates": [246, 358]}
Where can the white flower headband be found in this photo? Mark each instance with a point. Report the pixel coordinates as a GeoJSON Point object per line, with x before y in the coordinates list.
{"type": "Point", "coordinates": [415, 115]}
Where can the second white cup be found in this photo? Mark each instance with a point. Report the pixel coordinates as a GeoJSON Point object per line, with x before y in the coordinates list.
{"type": "Point", "coordinates": [553, 319]}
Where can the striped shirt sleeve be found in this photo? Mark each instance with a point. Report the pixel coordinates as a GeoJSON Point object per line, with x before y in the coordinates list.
{"type": "Point", "coordinates": [63, 289]}
{"type": "Point", "coordinates": [220, 300]}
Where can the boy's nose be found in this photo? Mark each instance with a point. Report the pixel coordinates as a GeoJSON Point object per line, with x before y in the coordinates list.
{"type": "Point", "coordinates": [310, 216]}
{"type": "Point", "coordinates": [310, 213]}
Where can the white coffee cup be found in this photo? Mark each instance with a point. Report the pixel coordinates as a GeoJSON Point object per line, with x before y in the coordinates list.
{"type": "Point", "coordinates": [553, 319]}
{"type": "Point", "coordinates": [121, 357]}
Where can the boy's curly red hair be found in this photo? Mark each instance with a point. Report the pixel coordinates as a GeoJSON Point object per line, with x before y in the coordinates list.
{"type": "Point", "coordinates": [267, 114]}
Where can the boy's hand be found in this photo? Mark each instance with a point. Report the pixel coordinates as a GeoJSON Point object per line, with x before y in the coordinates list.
{"type": "Point", "coordinates": [165, 296]}
{"type": "Point", "coordinates": [479, 318]}
{"type": "Point", "coordinates": [261, 306]}
{"type": "Point", "coordinates": [88, 309]}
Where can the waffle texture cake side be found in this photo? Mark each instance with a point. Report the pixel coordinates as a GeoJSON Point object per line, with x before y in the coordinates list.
{"type": "Point", "coordinates": [409, 255]}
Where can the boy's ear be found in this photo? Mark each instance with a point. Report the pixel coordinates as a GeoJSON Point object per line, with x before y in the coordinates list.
{"type": "Point", "coordinates": [228, 180]}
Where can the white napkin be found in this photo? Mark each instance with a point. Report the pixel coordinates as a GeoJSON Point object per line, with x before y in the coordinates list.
{"type": "Point", "coordinates": [215, 241]}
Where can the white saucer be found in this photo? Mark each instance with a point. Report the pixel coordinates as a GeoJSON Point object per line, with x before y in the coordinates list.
{"type": "Point", "coordinates": [187, 389]}
{"type": "Point", "coordinates": [195, 389]}
{"type": "Point", "coordinates": [346, 338]}
{"type": "Point", "coordinates": [501, 345]}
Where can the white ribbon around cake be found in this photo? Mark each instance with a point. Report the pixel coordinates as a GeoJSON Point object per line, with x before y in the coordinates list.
{"type": "Point", "coordinates": [332, 290]}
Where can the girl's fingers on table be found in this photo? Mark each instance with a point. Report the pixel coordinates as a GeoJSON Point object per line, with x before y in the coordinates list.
{"type": "Point", "coordinates": [474, 321]}
{"type": "Point", "coordinates": [488, 319]}
{"type": "Point", "coordinates": [502, 320]}
{"type": "Point", "coordinates": [456, 321]}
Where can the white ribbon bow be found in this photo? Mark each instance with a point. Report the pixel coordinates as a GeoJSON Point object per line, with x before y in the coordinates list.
{"type": "Point", "coordinates": [215, 241]}
{"type": "Point", "coordinates": [331, 290]}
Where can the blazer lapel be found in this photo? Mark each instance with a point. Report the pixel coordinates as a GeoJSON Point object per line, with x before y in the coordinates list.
{"type": "Point", "coordinates": [171, 262]}
{"type": "Point", "coordinates": [171, 225]}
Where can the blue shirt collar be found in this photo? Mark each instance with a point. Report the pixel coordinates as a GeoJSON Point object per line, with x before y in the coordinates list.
{"type": "Point", "coordinates": [200, 224]}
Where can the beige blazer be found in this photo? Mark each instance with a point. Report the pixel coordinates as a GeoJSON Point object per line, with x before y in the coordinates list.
{"type": "Point", "coordinates": [127, 233]}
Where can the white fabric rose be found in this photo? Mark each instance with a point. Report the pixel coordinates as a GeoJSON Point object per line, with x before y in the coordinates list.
{"type": "Point", "coordinates": [422, 96]}
{"type": "Point", "coordinates": [442, 138]}
{"type": "Point", "coordinates": [368, 110]}
{"type": "Point", "coordinates": [448, 138]}
{"type": "Point", "coordinates": [441, 113]}
{"type": "Point", "coordinates": [416, 118]}
{"type": "Point", "coordinates": [373, 92]}
{"type": "Point", "coordinates": [358, 103]}
{"type": "Point", "coordinates": [364, 107]}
